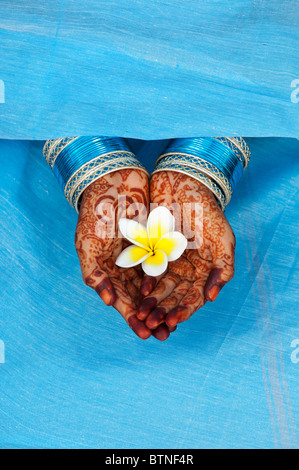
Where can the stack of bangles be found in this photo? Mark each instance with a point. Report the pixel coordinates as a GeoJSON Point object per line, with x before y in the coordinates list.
{"type": "Point", "coordinates": [217, 162]}
{"type": "Point", "coordinates": [79, 161]}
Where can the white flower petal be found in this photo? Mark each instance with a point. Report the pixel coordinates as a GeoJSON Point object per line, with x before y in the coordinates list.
{"type": "Point", "coordinates": [160, 221]}
{"type": "Point", "coordinates": [155, 264]}
{"type": "Point", "coordinates": [134, 232]}
{"type": "Point", "coordinates": [173, 244]}
{"type": "Point", "coordinates": [131, 256]}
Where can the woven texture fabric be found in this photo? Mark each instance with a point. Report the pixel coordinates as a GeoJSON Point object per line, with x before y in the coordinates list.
{"type": "Point", "coordinates": [75, 375]}
{"type": "Point", "coordinates": [149, 70]}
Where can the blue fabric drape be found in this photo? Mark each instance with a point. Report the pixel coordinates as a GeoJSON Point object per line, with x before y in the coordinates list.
{"type": "Point", "coordinates": [149, 70]}
{"type": "Point", "coordinates": [74, 373]}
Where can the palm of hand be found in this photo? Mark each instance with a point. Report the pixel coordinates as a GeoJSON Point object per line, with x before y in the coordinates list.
{"type": "Point", "coordinates": [200, 273]}
{"type": "Point", "coordinates": [120, 194]}
{"type": "Point", "coordinates": [191, 280]}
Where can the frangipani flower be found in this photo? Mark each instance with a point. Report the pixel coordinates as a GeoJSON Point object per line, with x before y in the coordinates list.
{"type": "Point", "coordinates": [153, 245]}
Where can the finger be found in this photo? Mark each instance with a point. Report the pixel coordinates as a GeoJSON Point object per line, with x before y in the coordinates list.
{"type": "Point", "coordinates": [156, 318]}
{"type": "Point", "coordinates": [201, 260]}
{"type": "Point", "coordinates": [126, 306]}
{"type": "Point", "coordinates": [171, 328]}
{"type": "Point", "coordinates": [139, 327]}
{"type": "Point", "coordinates": [161, 333]}
{"type": "Point", "coordinates": [164, 287]}
{"type": "Point", "coordinates": [192, 301]}
{"type": "Point", "coordinates": [133, 291]}
{"type": "Point", "coordinates": [137, 283]}
{"type": "Point", "coordinates": [135, 276]}
{"type": "Point", "coordinates": [100, 282]}
{"type": "Point", "coordinates": [148, 284]}
{"type": "Point", "coordinates": [223, 266]}
{"type": "Point", "coordinates": [138, 278]}
{"type": "Point", "coordinates": [158, 315]}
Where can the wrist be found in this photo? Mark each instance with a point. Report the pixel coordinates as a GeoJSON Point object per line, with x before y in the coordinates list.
{"type": "Point", "coordinates": [217, 163]}
{"type": "Point", "coordinates": [179, 188]}
{"type": "Point", "coordinates": [79, 162]}
{"type": "Point", "coordinates": [124, 193]}
{"type": "Point", "coordinates": [197, 185]}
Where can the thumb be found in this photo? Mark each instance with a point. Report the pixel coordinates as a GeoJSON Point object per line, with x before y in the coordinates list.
{"type": "Point", "coordinates": [223, 268]}
{"type": "Point", "coordinates": [100, 282]}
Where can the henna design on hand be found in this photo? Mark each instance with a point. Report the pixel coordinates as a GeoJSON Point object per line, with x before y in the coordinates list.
{"type": "Point", "coordinates": [201, 272]}
{"type": "Point", "coordinates": [119, 194]}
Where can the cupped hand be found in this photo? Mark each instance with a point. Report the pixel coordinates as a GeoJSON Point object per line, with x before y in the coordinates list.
{"type": "Point", "coordinates": [205, 266]}
{"type": "Point", "coordinates": [123, 193]}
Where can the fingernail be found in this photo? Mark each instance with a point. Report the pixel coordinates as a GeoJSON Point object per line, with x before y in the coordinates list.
{"type": "Point", "coordinates": [139, 327]}
{"type": "Point", "coordinates": [172, 328]}
{"type": "Point", "coordinates": [106, 292]}
{"type": "Point", "coordinates": [106, 297]}
{"type": "Point", "coordinates": [147, 286]}
{"type": "Point", "coordinates": [155, 318]}
{"type": "Point", "coordinates": [146, 306]}
{"type": "Point", "coordinates": [161, 333]}
{"type": "Point", "coordinates": [214, 284]}
{"type": "Point", "coordinates": [213, 293]}
{"type": "Point", "coordinates": [175, 316]}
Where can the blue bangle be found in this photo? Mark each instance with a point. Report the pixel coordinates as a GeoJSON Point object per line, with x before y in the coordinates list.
{"type": "Point", "coordinates": [81, 151]}
{"type": "Point", "coordinates": [222, 159]}
{"type": "Point", "coordinates": [239, 147]}
{"type": "Point", "coordinates": [212, 151]}
{"type": "Point", "coordinates": [79, 161]}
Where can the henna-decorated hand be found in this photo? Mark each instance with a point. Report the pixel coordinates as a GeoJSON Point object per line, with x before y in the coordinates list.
{"type": "Point", "coordinates": [122, 193]}
{"type": "Point", "coordinates": [200, 273]}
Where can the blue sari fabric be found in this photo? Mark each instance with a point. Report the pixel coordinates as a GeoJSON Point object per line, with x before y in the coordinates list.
{"type": "Point", "coordinates": [75, 375]}
{"type": "Point", "coordinates": [149, 69]}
